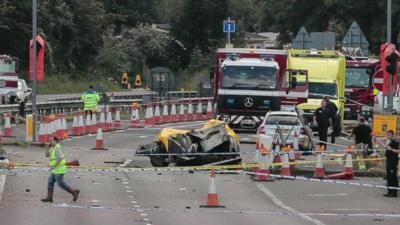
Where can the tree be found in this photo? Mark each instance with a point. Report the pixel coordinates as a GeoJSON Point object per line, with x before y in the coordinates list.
{"type": "Point", "coordinates": [200, 24]}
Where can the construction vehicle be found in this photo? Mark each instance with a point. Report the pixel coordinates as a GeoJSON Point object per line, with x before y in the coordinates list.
{"type": "Point", "coordinates": [250, 82]}
{"type": "Point", "coordinates": [359, 88]}
{"type": "Point", "coordinates": [326, 77]}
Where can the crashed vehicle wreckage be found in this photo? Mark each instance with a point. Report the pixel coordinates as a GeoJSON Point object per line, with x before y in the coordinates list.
{"type": "Point", "coordinates": [214, 143]}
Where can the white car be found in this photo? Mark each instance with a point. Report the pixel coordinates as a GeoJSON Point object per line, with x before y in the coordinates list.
{"type": "Point", "coordinates": [289, 124]}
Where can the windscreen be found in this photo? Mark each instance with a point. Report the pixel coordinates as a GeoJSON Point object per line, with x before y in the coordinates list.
{"type": "Point", "coordinates": [319, 90]}
{"type": "Point", "coordinates": [282, 120]}
{"type": "Point", "coordinates": [357, 77]}
{"type": "Point", "coordinates": [7, 66]}
{"type": "Point", "coordinates": [245, 77]}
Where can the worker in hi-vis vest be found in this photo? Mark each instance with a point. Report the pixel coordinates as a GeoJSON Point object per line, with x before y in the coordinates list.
{"type": "Point", "coordinates": [90, 100]}
{"type": "Point", "coordinates": [58, 169]}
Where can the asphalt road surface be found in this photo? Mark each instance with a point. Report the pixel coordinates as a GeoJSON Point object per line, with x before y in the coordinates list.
{"type": "Point", "coordinates": [166, 197]}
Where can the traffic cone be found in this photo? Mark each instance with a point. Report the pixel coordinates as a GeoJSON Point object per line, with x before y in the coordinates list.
{"type": "Point", "coordinates": [8, 131]}
{"type": "Point", "coordinates": [117, 121]}
{"type": "Point", "coordinates": [181, 116]}
{"type": "Point", "coordinates": [59, 130]}
{"type": "Point", "coordinates": [64, 128]}
{"type": "Point", "coordinates": [173, 116]}
{"type": "Point", "coordinates": [296, 147]}
{"type": "Point", "coordinates": [102, 123]}
{"type": "Point", "coordinates": [88, 124]}
{"type": "Point", "coordinates": [157, 116]}
{"type": "Point", "coordinates": [165, 116]}
{"type": "Point", "coordinates": [135, 120]}
{"type": "Point", "coordinates": [348, 173]}
{"type": "Point", "coordinates": [149, 118]}
{"type": "Point", "coordinates": [109, 122]}
{"type": "Point", "coordinates": [212, 196]}
{"type": "Point", "coordinates": [42, 135]}
{"type": "Point", "coordinates": [209, 110]}
{"type": "Point", "coordinates": [93, 127]}
{"type": "Point", "coordinates": [319, 171]}
{"type": "Point", "coordinates": [82, 130]}
{"type": "Point", "coordinates": [262, 173]}
{"type": "Point", "coordinates": [199, 115]}
{"type": "Point", "coordinates": [189, 116]}
{"type": "Point", "coordinates": [99, 140]}
{"type": "Point", "coordinates": [292, 158]}
{"type": "Point", "coordinates": [277, 155]}
{"type": "Point", "coordinates": [49, 132]}
{"type": "Point", "coordinates": [285, 170]}
{"type": "Point", "coordinates": [75, 126]}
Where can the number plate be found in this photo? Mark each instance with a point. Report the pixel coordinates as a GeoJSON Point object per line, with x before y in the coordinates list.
{"type": "Point", "coordinates": [248, 122]}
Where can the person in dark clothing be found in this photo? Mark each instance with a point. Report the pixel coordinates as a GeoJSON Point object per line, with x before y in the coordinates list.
{"type": "Point", "coordinates": [392, 159]}
{"type": "Point", "coordinates": [322, 120]}
{"type": "Point", "coordinates": [333, 109]}
{"type": "Point", "coordinates": [363, 135]}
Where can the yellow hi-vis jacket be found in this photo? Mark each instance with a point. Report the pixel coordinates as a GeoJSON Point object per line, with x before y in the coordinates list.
{"type": "Point", "coordinates": [90, 99]}
{"type": "Point", "coordinates": [60, 168]}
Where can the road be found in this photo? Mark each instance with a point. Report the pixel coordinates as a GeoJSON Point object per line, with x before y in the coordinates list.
{"type": "Point", "coordinates": [167, 197]}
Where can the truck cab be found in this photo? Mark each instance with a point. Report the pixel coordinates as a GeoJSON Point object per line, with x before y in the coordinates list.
{"type": "Point", "coordinates": [8, 78]}
{"type": "Point", "coordinates": [359, 88]}
{"type": "Point", "coordinates": [250, 82]}
{"type": "Point", "coordinates": [326, 77]}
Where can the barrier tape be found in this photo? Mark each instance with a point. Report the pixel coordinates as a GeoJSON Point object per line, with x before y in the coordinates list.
{"type": "Point", "coordinates": [90, 168]}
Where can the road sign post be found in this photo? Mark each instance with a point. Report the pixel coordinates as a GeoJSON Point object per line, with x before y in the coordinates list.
{"type": "Point", "coordinates": [229, 27]}
{"type": "Point", "coordinates": [34, 67]}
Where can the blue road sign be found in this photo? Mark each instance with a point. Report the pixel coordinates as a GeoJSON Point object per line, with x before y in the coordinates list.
{"type": "Point", "coordinates": [229, 26]}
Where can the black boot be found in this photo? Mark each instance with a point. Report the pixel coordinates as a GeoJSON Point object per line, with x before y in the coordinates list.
{"type": "Point", "coordinates": [74, 193]}
{"type": "Point", "coordinates": [49, 197]}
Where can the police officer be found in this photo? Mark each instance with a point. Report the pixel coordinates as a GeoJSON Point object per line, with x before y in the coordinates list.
{"type": "Point", "coordinates": [322, 120]}
{"type": "Point", "coordinates": [392, 159]}
{"type": "Point", "coordinates": [90, 100]}
{"type": "Point", "coordinates": [58, 169]}
{"type": "Point", "coordinates": [333, 109]}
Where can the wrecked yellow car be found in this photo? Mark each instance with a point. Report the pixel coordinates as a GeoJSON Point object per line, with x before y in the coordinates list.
{"type": "Point", "coordinates": [215, 143]}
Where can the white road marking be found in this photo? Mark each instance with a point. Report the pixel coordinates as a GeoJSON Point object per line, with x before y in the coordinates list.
{"type": "Point", "coordinates": [327, 195]}
{"type": "Point", "coordinates": [278, 202]}
{"type": "Point", "coordinates": [2, 183]}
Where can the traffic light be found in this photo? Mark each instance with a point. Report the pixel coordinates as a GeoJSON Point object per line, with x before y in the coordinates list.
{"type": "Point", "coordinates": [391, 65]}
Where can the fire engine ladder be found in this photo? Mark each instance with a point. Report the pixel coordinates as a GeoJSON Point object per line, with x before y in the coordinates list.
{"type": "Point", "coordinates": [303, 124]}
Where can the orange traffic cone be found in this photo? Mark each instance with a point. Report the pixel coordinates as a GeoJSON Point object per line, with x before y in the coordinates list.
{"type": "Point", "coordinates": [8, 132]}
{"type": "Point", "coordinates": [319, 171]}
{"type": "Point", "coordinates": [117, 121]}
{"type": "Point", "coordinates": [82, 130]}
{"type": "Point", "coordinates": [1, 138]}
{"type": "Point", "coordinates": [212, 197]}
{"type": "Point", "coordinates": [296, 147]}
{"type": "Point", "coordinates": [88, 124]}
{"type": "Point", "coordinates": [157, 115]}
{"type": "Point", "coordinates": [199, 115]}
{"type": "Point", "coordinates": [135, 120]}
{"type": "Point", "coordinates": [99, 141]}
{"type": "Point", "coordinates": [93, 127]}
{"type": "Point", "coordinates": [165, 116]}
{"type": "Point", "coordinates": [173, 116]}
{"type": "Point", "coordinates": [75, 126]}
{"type": "Point", "coordinates": [102, 123]}
{"type": "Point", "coordinates": [209, 110]}
{"type": "Point", "coordinates": [348, 173]}
{"type": "Point", "coordinates": [262, 173]}
{"type": "Point", "coordinates": [181, 116]}
{"type": "Point", "coordinates": [109, 122]}
{"type": "Point", "coordinates": [149, 119]}
{"type": "Point", "coordinates": [42, 135]}
{"type": "Point", "coordinates": [285, 170]}
{"type": "Point", "coordinates": [64, 128]}
{"type": "Point", "coordinates": [189, 116]}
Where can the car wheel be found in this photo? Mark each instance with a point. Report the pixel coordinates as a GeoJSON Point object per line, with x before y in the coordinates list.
{"type": "Point", "coordinates": [159, 161]}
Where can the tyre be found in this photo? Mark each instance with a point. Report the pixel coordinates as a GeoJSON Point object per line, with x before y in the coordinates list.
{"type": "Point", "coordinates": [159, 161]}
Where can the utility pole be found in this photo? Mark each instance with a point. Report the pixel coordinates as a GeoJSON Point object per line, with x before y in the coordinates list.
{"type": "Point", "coordinates": [389, 41]}
{"type": "Point", "coordinates": [34, 65]}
